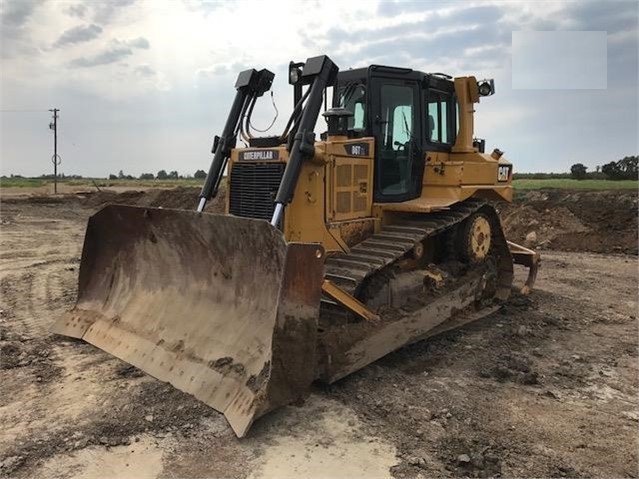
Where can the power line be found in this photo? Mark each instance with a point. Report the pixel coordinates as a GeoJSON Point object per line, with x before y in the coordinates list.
{"type": "Point", "coordinates": [23, 111]}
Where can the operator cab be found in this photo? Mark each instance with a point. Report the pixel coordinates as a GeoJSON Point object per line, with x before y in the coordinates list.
{"type": "Point", "coordinates": [409, 113]}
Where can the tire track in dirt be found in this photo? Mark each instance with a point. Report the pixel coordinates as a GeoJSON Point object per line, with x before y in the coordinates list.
{"type": "Point", "coordinates": [38, 278]}
{"type": "Point", "coordinates": [33, 298]}
{"type": "Point", "coordinates": [60, 394]}
{"type": "Point", "coordinates": [38, 272]}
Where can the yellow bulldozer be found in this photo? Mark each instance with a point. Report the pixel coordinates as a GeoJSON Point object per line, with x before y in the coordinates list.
{"type": "Point", "coordinates": [333, 252]}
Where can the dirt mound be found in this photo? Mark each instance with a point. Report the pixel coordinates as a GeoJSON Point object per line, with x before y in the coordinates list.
{"type": "Point", "coordinates": [182, 198]}
{"type": "Point", "coordinates": [101, 198]}
{"type": "Point", "coordinates": [595, 221]}
{"type": "Point", "coordinates": [567, 220]}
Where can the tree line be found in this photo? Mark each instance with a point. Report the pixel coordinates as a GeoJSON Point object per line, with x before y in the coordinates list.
{"type": "Point", "coordinates": [625, 169]}
{"type": "Point", "coordinates": [161, 175]}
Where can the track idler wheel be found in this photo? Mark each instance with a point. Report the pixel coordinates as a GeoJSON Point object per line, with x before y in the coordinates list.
{"type": "Point", "coordinates": [474, 238]}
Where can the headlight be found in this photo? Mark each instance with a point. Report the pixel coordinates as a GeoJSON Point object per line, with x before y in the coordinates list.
{"type": "Point", "coordinates": [294, 72]}
{"type": "Point", "coordinates": [486, 87]}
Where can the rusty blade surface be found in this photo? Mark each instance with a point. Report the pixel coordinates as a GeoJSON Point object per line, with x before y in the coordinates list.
{"type": "Point", "coordinates": [221, 307]}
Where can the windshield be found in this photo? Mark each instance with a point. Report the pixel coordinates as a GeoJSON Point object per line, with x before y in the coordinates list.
{"type": "Point", "coordinates": [352, 96]}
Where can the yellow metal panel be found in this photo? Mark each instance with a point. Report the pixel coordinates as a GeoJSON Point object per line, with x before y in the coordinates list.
{"type": "Point", "coordinates": [349, 186]}
{"type": "Point", "coordinates": [332, 188]}
{"type": "Point", "coordinates": [343, 203]}
{"type": "Point", "coordinates": [453, 177]}
{"type": "Point", "coordinates": [352, 194]}
{"type": "Point", "coordinates": [304, 216]}
{"type": "Point", "coordinates": [360, 203]}
{"type": "Point", "coordinates": [343, 175]}
{"type": "Point", "coordinates": [467, 94]}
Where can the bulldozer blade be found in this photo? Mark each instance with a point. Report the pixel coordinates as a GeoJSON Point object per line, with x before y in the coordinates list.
{"type": "Point", "coordinates": [220, 307]}
{"type": "Point", "coordinates": [528, 258]}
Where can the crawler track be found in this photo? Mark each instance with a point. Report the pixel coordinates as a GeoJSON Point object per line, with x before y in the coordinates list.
{"type": "Point", "coordinates": [350, 271]}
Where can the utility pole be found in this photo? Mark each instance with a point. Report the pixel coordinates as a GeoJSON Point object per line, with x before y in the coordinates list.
{"type": "Point", "coordinates": [55, 159]}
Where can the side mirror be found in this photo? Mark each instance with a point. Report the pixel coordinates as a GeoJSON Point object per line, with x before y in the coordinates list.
{"type": "Point", "coordinates": [337, 119]}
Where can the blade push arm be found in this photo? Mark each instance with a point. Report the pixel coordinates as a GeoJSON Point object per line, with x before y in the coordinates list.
{"type": "Point", "coordinates": [320, 72]}
{"type": "Point", "coordinates": [249, 85]}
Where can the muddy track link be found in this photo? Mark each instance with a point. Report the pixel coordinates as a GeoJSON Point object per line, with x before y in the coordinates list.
{"type": "Point", "coordinates": [350, 270]}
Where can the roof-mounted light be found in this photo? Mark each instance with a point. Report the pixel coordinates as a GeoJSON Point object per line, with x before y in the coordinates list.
{"type": "Point", "coordinates": [486, 87]}
{"type": "Point", "coordinates": [294, 72]}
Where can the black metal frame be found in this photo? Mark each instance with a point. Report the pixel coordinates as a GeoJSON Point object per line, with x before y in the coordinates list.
{"type": "Point", "coordinates": [250, 84]}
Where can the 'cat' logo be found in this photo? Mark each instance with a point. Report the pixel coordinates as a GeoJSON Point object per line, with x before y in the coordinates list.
{"type": "Point", "coordinates": [503, 173]}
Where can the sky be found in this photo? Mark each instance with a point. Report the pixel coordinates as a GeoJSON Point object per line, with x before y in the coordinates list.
{"type": "Point", "coordinates": [144, 85]}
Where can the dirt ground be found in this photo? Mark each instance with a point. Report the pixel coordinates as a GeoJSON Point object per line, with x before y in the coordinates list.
{"type": "Point", "coordinates": [546, 387]}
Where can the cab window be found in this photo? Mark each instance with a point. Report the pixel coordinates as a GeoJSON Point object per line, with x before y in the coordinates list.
{"type": "Point", "coordinates": [440, 118]}
{"type": "Point", "coordinates": [357, 122]}
{"type": "Point", "coordinates": [402, 125]}
{"type": "Point", "coordinates": [353, 97]}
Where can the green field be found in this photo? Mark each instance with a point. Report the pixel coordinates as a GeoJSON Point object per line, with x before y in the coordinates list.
{"type": "Point", "coordinates": [523, 184]}
{"type": "Point", "coordinates": [101, 182]}
{"type": "Point", "coordinates": [22, 182]}
{"type": "Point", "coordinates": [567, 183]}
{"type": "Point", "coordinates": [137, 183]}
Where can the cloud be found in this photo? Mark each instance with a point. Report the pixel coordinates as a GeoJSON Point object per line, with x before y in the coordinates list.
{"type": "Point", "coordinates": [431, 48]}
{"type": "Point", "coordinates": [390, 8]}
{"type": "Point", "coordinates": [611, 16]}
{"type": "Point", "coordinates": [441, 36]}
{"type": "Point", "coordinates": [144, 71]}
{"type": "Point", "coordinates": [620, 19]}
{"type": "Point", "coordinates": [79, 34]}
{"type": "Point", "coordinates": [205, 75]}
{"type": "Point", "coordinates": [106, 11]}
{"type": "Point", "coordinates": [435, 46]}
{"type": "Point", "coordinates": [15, 13]}
{"type": "Point", "coordinates": [447, 12]}
{"type": "Point", "coordinates": [116, 52]}
{"type": "Point", "coordinates": [106, 57]}
{"type": "Point", "coordinates": [139, 42]}
{"type": "Point", "coordinates": [78, 10]}
{"type": "Point", "coordinates": [14, 21]}
{"type": "Point", "coordinates": [206, 7]}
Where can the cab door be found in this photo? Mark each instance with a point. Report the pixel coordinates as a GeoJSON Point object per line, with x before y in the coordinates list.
{"type": "Point", "coordinates": [399, 159]}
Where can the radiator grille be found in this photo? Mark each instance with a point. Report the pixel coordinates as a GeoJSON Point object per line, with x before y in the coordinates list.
{"type": "Point", "coordinates": [253, 189]}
